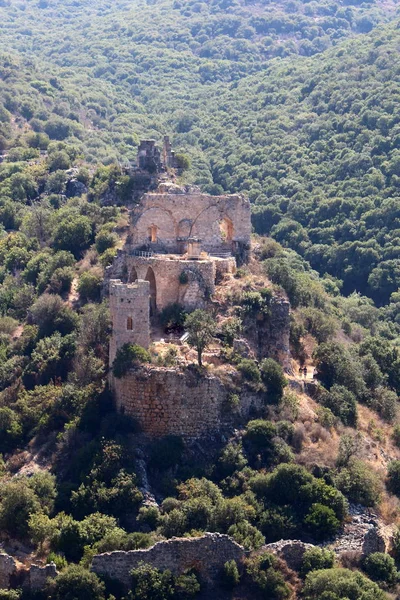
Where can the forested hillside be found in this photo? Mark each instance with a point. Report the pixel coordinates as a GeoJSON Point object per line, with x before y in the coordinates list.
{"type": "Point", "coordinates": [297, 105]}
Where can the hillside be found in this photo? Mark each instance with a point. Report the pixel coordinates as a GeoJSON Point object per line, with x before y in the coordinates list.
{"type": "Point", "coordinates": [295, 104]}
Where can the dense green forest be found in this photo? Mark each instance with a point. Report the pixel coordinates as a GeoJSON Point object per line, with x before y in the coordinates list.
{"type": "Point", "coordinates": [297, 105]}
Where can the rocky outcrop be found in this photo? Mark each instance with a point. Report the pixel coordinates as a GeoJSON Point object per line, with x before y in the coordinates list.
{"type": "Point", "coordinates": [8, 568]}
{"type": "Point", "coordinates": [269, 334]}
{"type": "Point", "coordinates": [38, 575]}
{"type": "Point", "coordinates": [291, 551]}
{"type": "Point", "coordinates": [207, 554]}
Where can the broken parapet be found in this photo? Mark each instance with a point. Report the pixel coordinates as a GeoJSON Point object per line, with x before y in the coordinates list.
{"type": "Point", "coordinates": [207, 554]}
{"type": "Point", "coordinates": [8, 568]}
{"type": "Point", "coordinates": [39, 575]}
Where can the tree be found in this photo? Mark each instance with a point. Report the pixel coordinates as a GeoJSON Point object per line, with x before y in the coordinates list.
{"type": "Point", "coordinates": [76, 583]}
{"type": "Point", "coordinates": [89, 286]}
{"type": "Point", "coordinates": [74, 233]}
{"type": "Point", "coordinates": [201, 328]}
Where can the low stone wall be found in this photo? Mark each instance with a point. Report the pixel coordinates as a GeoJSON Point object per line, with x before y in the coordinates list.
{"type": "Point", "coordinates": [38, 575]}
{"type": "Point", "coordinates": [206, 554]}
{"type": "Point", "coordinates": [187, 403]}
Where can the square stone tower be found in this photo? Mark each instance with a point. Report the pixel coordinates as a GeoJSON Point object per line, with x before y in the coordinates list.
{"type": "Point", "coordinates": [130, 314]}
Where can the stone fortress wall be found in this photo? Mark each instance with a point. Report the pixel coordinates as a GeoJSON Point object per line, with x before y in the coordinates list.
{"type": "Point", "coordinates": [169, 217]}
{"type": "Point", "coordinates": [167, 401]}
{"type": "Point", "coordinates": [206, 554]}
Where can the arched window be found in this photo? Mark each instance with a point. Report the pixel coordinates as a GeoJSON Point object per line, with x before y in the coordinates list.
{"type": "Point", "coordinates": [129, 323]}
{"type": "Point", "coordinates": [153, 233]}
{"type": "Point", "coordinates": [226, 229]}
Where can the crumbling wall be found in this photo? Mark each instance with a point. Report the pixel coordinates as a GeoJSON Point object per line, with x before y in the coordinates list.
{"type": "Point", "coordinates": [207, 554]}
{"type": "Point", "coordinates": [223, 223]}
{"type": "Point", "coordinates": [130, 315]}
{"type": "Point", "coordinates": [8, 568]}
{"type": "Point", "coordinates": [188, 403]}
{"type": "Point", "coordinates": [38, 575]}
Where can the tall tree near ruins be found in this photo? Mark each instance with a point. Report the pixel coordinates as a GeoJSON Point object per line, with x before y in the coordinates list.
{"type": "Point", "coordinates": [201, 328]}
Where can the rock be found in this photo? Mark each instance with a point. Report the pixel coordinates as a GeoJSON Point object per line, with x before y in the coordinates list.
{"type": "Point", "coordinates": [241, 346]}
{"type": "Point", "coordinates": [8, 568]}
{"type": "Point", "coordinates": [291, 551]}
{"type": "Point", "coordinates": [75, 188]}
{"type": "Point", "coordinates": [378, 539]}
{"type": "Point", "coordinates": [39, 575]}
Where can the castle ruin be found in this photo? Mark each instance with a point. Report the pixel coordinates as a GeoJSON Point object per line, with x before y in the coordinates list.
{"type": "Point", "coordinates": [180, 244]}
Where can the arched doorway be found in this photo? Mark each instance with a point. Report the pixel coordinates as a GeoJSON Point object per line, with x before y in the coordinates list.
{"type": "Point", "coordinates": [226, 229]}
{"type": "Point", "coordinates": [150, 277]}
{"type": "Point", "coordinates": [134, 275]}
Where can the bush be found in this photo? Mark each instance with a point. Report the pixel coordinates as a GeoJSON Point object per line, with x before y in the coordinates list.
{"type": "Point", "coordinates": [381, 567]}
{"type": "Point", "coordinates": [249, 370]}
{"type": "Point", "coordinates": [359, 483]}
{"type": "Point", "coordinates": [89, 286]}
{"type": "Point", "coordinates": [396, 435]}
{"type": "Point", "coordinates": [342, 403]}
{"type": "Point", "coordinates": [315, 559]}
{"type": "Point", "coordinates": [321, 521]}
{"type": "Point", "coordinates": [61, 280]}
{"type": "Point", "coordinates": [230, 576]}
{"type": "Point", "coordinates": [172, 317]}
{"type": "Point", "coordinates": [76, 583]}
{"type": "Point", "coordinates": [260, 434]}
{"type": "Point", "coordinates": [393, 480]}
{"type": "Point", "coordinates": [334, 584]}
{"type": "Point", "coordinates": [273, 378]}
{"type": "Point", "coordinates": [128, 356]}
{"type": "Point", "coordinates": [105, 240]}
{"type": "Point", "coordinates": [266, 578]}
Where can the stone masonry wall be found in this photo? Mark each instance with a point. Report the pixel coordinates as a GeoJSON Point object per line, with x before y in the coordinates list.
{"type": "Point", "coordinates": [165, 401]}
{"type": "Point", "coordinates": [129, 302]}
{"type": "Point", "coordinates": [207, 554]}
{"type": "Point", "coordinates": [179, 214]}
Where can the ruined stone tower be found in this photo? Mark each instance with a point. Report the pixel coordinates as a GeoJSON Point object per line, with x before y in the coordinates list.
{"type": "Point", "coordinates": [130, 314]}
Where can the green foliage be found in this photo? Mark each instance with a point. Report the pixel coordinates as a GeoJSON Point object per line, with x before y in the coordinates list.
{"type": "Point", "coordinates": [201, 328]}
{"type": "Point", "coordinates": [266, 578]}
{"type": "Point", "coordinates": [334, 584]}
{"type": "Point", "coordinates": [321, 521]}
{"type": "Point", "coordinates": [150, 583]}
{"type": "Point", "coordinates": [393, 477]}
{"type": "Point", "coordinates": [249, 370]}
{"type": "Point", "coordinates": [89, 286]}
{"type": "Point", "coordinates": [172, 317]}
{"type": "Point", "coordinates": [76, 583]}
{"type": "Point", "coordinates": [359, 483]}
{"type": "Point", "coordinates": [342, 403]}
{"type": "Point", "coordinates": [381, 567]}
{"type": "Point", "coordinates": [230, 575]}
{"type": "Point", "coordinates": [127, 357]}
{"type": "Point", "coordinates": [273, 378]}
{"type": "Point", "coordinates": [316, 559]}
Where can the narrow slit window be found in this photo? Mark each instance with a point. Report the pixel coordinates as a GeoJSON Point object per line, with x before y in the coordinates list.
{"type": "Point", "coordinates": [129, 323]}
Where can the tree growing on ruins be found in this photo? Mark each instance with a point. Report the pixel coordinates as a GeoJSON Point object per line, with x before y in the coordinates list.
{"type": "Point", "coordinates": [201, 328]}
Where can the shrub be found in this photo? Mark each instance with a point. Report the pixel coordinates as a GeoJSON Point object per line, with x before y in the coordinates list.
{"type": "Point", "coordinates": [393, 481]}
{"type": "Point", "coordinates": [89, 286]}
{"type": "Point", "coordinates": [321, 521]}
{"type": "Point", "coordinates": [273, 377]}
{"type": "Point", "coordinates": [76, 583]}
{"type": "Point", "coordinates": [334, 584]}
{"type": "Point", "coordinates": [166, 452]}
{"type": "Point", "coordinates": [230, 576]}
{"type": "Point", "coordinates": [105, 240]}
{"type": "Point", "coordinates": [342, 403]}
{"type": "Point", "coordinates": [359, 483]}
{"type": "Point", "coordinates": [127, 357]}
{"type": "Point", "coordinates": [246, 535]}
{"type": "Point", "coordinates": [381, 567]}
{"type": "Point", "coordinates": [172, 317]}
{"type": "Point", "coordinates": [396, 435]}
{"type": "Point", "coordinates": [315, 559]}
{"type": "Point", "coordinates": [260, 434]}
{"type": "Point", "coordinates": [249, 370]}
{"type": "Point", "coordinates": [266, 578]}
